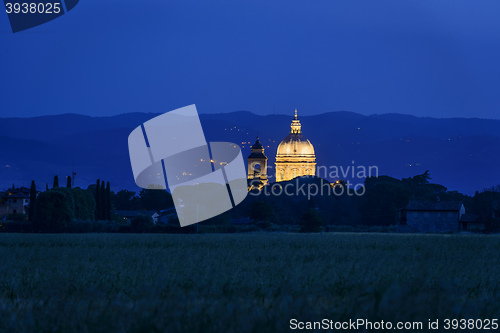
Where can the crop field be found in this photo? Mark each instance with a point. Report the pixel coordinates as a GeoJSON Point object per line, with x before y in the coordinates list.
{"type": "Point", "coordinates": [253, 282]}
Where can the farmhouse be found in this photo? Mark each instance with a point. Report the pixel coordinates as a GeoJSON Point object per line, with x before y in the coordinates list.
{"type": "Point", "coordinates": [15, 200]}
{"type": "Point", "coordinates": [426, 216]}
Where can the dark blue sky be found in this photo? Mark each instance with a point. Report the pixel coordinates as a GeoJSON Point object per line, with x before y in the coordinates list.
{"type": "Point", "coordinates": [435, 58]}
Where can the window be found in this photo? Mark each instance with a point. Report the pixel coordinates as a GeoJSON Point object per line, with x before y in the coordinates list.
{"type": "Point", "coordinates": [256, 170]}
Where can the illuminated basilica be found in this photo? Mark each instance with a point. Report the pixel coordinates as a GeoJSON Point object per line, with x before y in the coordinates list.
{"type": "Point", "coordinates": [295, 157]}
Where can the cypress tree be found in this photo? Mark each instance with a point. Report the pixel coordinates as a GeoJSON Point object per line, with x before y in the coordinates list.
{"type": "Point", "coordinates": [97, 201]}
{"type": "Point", "coordinates": [103, 201]}
{"type": "Point", "coordinates": [68, 181]}
{"type": "Point", "coordinates": [56, 181]}
{"type": "Point", "coordinates": [31, 216]}
{"type": "Point", "coordinates": [108, 202]}
{"type": "Point", "coordinates": [46, 187]}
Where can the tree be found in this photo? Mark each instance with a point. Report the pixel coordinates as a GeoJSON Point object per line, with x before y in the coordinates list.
{"type": "Point", "coordinates": [46, 187]}
{"type": "Point", "coordinates": [311, 222]}
{"type": "Point", "coordinates": [84, 204]}
{"type": "Point", "coordinates": [155, 199]}
{"type": "Point", "coordinates": [125, 199]}
{"type": "Point", "coordinates": [108, 201]}
{"type": "Point", "coordinates": [142, 223]}
{"type": "Point", "coordinates": [261, 211]}
{"type": "Point", "coordinates": [56, 181]}
{"type": "Point", "coordinates": [54, 211]}
{"type": "Point", "coordinates": [483, 203]}
{"type": "Point", "coordinates": [32, 201]}
{"type": "Point", "coordinates": [421, 188]}
{"type": "Point", "coordinates": [383, 197]}
{"type": "Point", "coordinates": [68, 182]}
{"type": "Point", "coordinates": [98, 200]}
{"type": "Point", "coordinates": [103, 201]}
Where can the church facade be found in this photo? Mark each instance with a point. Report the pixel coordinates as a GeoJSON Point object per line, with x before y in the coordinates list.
{"type": "Point", "coordinates": [295, 157]}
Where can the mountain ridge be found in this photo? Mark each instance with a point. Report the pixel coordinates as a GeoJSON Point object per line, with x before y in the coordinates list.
{"type": "Point", "coordinates": [402, 145]}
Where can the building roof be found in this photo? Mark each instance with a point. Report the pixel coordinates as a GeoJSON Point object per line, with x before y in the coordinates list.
{"type": "Point", "coordinates": [295, 144]}
{"type": "Point", "coordinates": [18, 195]}
{"type": "Point", "coordinates": [257, 150]}
{"type": "Point", "coordinates": [257, 145]}
{"type": "Point", "coordinates": [168, 211]}
{"type": "Point", "coordinates": [434, 206]}
{"type": "Point", "coordinates": [257, 155]}
{"type": "Point", "coordinates": [132, 213]}
{"type": "Point", "coordinates": [471, 218]}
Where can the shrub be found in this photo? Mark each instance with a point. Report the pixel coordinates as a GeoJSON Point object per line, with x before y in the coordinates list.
{"type": "Point", "coordinates": [311, 222]}
{"type": "Point", "coordinates": [16, 217]}
{"type": "Point", "coordinates": [142, 223]}
{"type": "Point", "coordinates": [15, 226]}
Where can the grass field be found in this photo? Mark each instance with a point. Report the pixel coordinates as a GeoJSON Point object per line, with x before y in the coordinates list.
{"type": "Point", "coordinates": [241, 282]}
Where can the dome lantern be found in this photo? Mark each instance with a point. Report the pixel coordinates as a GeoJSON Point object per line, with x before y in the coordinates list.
{"type": "Point", "coordinates": [295, 126]}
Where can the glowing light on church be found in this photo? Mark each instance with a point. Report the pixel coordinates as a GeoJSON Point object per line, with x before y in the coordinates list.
{"type": "Point", "coordinates": [295, 156]}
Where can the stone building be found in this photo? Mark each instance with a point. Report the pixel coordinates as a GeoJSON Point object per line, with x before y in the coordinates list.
{"type": "Point", "coordinates": [426, 216]}
{"type": "Point", "coordinates": [295, 156]}
{"type": "Point", "coordinates": [15, 201]}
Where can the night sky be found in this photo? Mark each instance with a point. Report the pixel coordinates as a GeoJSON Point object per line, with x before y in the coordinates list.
{"type": "Point", "coordinates": [436, 58]}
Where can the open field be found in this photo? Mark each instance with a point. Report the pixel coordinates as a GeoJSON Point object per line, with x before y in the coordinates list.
{"type": "Point", "coordinates": [241, 282]}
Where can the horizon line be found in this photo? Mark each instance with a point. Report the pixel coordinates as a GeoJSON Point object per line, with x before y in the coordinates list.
{"type": "Point", "coordinates": [247, 111]}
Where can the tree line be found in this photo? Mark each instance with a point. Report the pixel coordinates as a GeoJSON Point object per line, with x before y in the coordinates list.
{"type": "Point", "coordinates": [55, 209]}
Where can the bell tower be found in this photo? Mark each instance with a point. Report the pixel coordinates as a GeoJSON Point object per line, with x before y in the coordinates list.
{"type": "Point", "coordinates": [257, 163]}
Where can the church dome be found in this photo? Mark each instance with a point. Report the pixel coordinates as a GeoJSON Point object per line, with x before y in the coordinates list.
{"type": "Point", "coordinates": [295, 143]}
{"type": "Point", "coordinates": [295, 156]}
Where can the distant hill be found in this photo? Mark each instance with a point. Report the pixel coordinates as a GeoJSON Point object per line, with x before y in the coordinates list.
{"type": "Point", "coordinates": [461, 154]}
